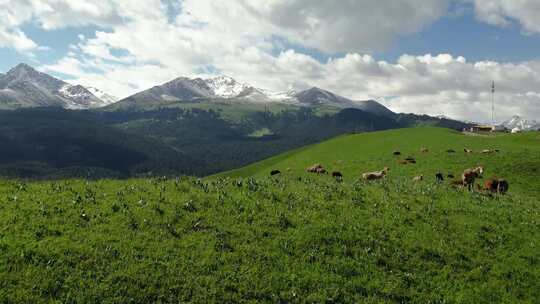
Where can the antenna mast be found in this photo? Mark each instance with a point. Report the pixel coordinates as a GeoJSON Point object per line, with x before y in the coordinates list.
{"type": "Point", "coordinates": [493, 103]}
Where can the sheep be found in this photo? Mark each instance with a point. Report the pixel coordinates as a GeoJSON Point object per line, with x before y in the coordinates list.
{"type": "Point", "coordinates": [467, 150]}
{"type": "Point", "coordinates": [376, 174]}
{"type": "Point", "coordinates": [321, 171]}
{"type": "Point", "coordinates": [314, 168]}
{"type": "Point", "coordinates": [418, 178]}
{"type": "Point", "coordinates": [424, 150]}
{"type": "Point", "coordinates": [489, 151]}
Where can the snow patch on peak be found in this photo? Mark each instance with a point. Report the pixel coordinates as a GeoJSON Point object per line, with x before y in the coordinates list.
{"type": "Point", "coordinates": [520, 123]}
{"type": "Point", "coordinates": [226, 87]}
{"type": "Point", "coordinates": [105, 97]}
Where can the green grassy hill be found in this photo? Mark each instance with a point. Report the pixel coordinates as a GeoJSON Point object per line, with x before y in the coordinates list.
{"type": "Point", "coordinates": [295, 238]}
{"type": "Point", "coordinates": [518, 159]}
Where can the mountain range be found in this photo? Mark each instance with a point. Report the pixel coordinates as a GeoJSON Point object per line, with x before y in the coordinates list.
{"type": "Point", "coordinates": [223, 88]}
{"type": "Point", "coordinates": [23, 87]}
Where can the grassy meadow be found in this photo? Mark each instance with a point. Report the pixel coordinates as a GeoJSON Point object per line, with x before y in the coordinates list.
{"type": "Point", "coordinates": [245, 237]}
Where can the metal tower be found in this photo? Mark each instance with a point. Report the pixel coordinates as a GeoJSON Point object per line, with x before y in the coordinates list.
{"type": "Point", "coordinates": [493, 103]}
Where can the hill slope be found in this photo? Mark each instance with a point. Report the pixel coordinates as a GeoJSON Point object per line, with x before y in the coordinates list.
{"type": "Point", "coordinates": [518, 159]}
{"type": "Point", "coordinates": [288, 239]}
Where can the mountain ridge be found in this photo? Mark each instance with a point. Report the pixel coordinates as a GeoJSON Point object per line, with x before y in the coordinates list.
{"type": "Point", "coordinates": [183, 89]}
{"type": "Point", "coordinates": [519, 123]}
{"type": "Point", "coordinates": [23, 86]}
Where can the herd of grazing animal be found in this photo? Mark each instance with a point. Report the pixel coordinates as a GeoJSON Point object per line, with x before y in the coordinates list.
{"type": "Point", "coordinates": [467, 179]}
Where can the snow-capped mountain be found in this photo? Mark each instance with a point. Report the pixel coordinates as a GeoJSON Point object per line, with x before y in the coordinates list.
{"type": "Point", "coordinates": [23, 86]}
{"type": "Point", "coordinates": [226, 88]}
{"type": "Point", "coordinates": [105, 97]}
{"type": "Point", "coordinates": [520, 123]}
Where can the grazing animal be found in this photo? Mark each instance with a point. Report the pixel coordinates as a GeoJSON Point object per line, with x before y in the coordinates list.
{"type": "Point", "coordinates": [418, 178]}
{"type": "Point", "coordinates": [467, 150]}
{"type": "Point", "coordinates": [337, 175]}
{"type": "Point", "coordinates": [424, 150]}
{"type": "Point", "coordinates": [275, 172]}
{"type": "Point", "coordinates": [489, 151]}
{"type": "Point", "coordinates": [470, 175]}
{"type": "Point", "coordinates": [450, 151]}
{"type": "Point", "coordinates": [376, 174]}
{"type": "Point", "coordinates": [410, 160]}
{"type": "Point", "coordinates": [439, 177]}
{"type": "Point", "coordinates": [403, 162]}
{"type": "Point", "coordinates": [321, 171]}
{"type": "Point", "coordinates": [496, 185]}
{"type": "Point", "coordinates": [503, 186]}
{"type": "Point", "coordinates": [396, 153]}
{"type": "Point", "coordinates": [456, 183]}
{"type": "Point", "coordinates": [450, 175]}
{"type": "Point", "coordinates": [314, 168]}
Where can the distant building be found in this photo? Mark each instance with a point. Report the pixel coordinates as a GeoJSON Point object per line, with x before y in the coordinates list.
{"type": "Point", "coordinates": [482, 128]}
{"type": "Point", "coordinates": [486, 128]}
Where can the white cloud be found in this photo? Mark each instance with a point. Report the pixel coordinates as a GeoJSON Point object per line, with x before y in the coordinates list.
{"type": "Point", "coordinates": [143, 47]}
{"type": "Point", "coordinates": [504, 12]}
{"type": "Point", "coordinates": [16, 39]}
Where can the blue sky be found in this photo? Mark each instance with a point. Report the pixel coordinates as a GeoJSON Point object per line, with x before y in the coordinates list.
{"type": "Point", "coordinates": [461, 35]}
{"type": "Point", "coordinates": [355, 48]}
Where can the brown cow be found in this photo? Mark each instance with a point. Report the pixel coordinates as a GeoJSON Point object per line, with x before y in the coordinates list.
{"type": "Point", "coordinates": [496, 185]}
{"type": "Point", "coordinates": [470, 175]}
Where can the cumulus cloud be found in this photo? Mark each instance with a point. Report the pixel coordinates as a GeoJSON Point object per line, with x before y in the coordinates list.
{"type": "Point", "coordinates": [16, 39]}
{"type": "Point", "coordinates": [505, 12]}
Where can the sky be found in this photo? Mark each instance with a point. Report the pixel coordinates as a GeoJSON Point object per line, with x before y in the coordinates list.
{"type": "Point", "coordinates": [435, 57]}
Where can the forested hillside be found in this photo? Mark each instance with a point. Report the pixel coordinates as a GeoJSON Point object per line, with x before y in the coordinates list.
{"type": "Point", "coordinates": [57, 143]}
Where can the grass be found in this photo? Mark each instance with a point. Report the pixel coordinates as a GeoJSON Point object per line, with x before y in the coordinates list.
{"type": "Point", "coordinates": [295, 238]}
{"type": "Point", "coordinates": [518, 159]}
